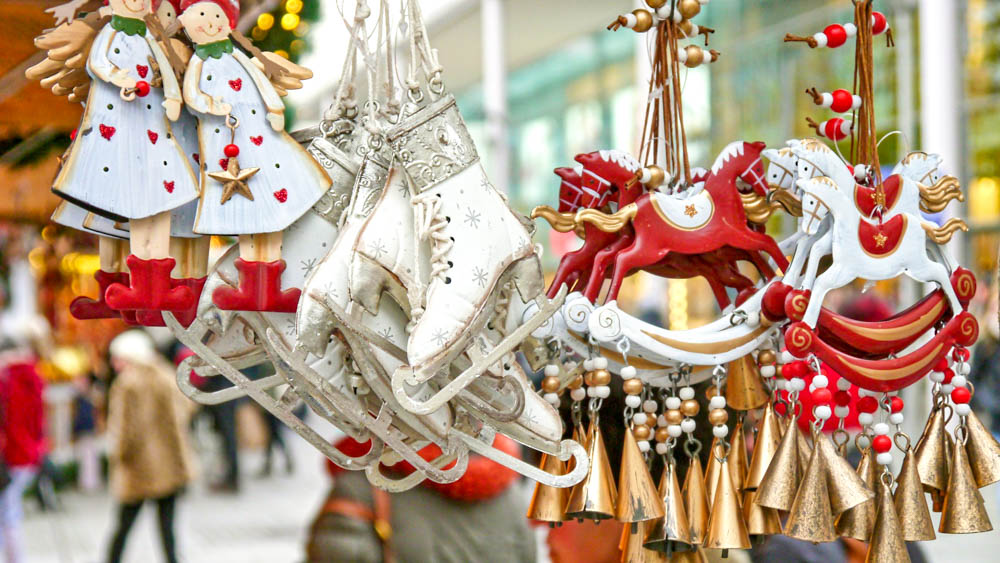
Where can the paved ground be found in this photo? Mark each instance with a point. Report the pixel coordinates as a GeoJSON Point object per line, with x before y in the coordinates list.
{"type": "Point", "coordinates": [266, 522]}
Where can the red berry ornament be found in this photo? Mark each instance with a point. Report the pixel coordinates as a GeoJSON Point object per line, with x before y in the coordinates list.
{"type": "Point", "coordinates": [881, 444]}
{"type": "Point", "coordinates": [962, 354]}
{"type": "Point", "coordinates": [794, 369]}
{"type": "Point", "coordinates": [948, 374]}
{"type": "Point", "coordinates": [836, 129]}
{"type": "Point", "coordinates": [232, 151]}
{"type": "Point", "coordinates": [843, 101]}
{"type": "Point", "coordinates": [842, 398]}
{"type": "Point", "coordinates": [879, 25]}
{"type": "Point", "coordinates": [867, 404]}
{"type": "Point", "coordinates": [835, 34]}
{"type": "Point", "coordinates": [895, 405]}
{"type": "Point", "coordinates": [142, 88]}
{"type": "Point", "coordinates": [960, 395]}
{"type": "Point", "coordinates": [822, 396]}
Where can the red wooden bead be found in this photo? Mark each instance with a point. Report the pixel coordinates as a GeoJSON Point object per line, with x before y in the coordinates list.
{"type": "Point", "coordinates": [962, 354]}
{"type": "Point", "coordinates": [896, 404]}
{"type": "Point", "coordinates": [960, 395]}
{"type": "Point", "coordinates": [232, 151]}
{"type": "Point", "coordinates": [842, 100]}
{"type": "Point", "coordinates": [142, 88]}
{"type": "Point", "coordinates": [836, 35]}
{"type": "Point", "coordinates": [867, 404]}
{"type": "Point", "coordinates": [881, 444]}
{"type": "Point", "coordinates": [948, 374]}
{"type": "Point", "coordinates": [879, 25]}
{"type": "Point", "coordinates": [941, 364]}
{"type": "Point", "coordinates": [836, 129]}
{"type": "Point", "coordinates": [822, 395]}
{"type": "Point", "coordinates": [842, 398]}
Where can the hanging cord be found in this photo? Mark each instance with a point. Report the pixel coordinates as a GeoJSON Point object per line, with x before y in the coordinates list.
{"type": "Point", "coordinates": [344, 98]}
{"type": "Point", "coordinates": [867, 148]}
{"type": "Point", "coordinates": [422, 55]}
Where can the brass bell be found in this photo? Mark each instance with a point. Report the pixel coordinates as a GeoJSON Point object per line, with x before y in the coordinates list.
{"type": "Point", "coordinates": [717, 453]}
{"type": "Point", "coordinates": [696, 555]}
{"type": "Point", "coordinates": [632, 548]}
{"type": "Point", "coordinates": [858, 522]}
{"type": "Point", "coordinates": [696, 501]}
{"type": "Point", "coordinates": [672, 532]}
{"type": "Point", "coordinates": [594, 497]}
{"type": "Point", "coordinates": [811, 517]}
{"type": "Point", "coordinates": [745, 388]}
{"type": "Point", "coordinates": [802, 442]}
{"type": "Point", "coordinates": [781, 480]}
{"type": "Point", "coordinates": [845, 487]}
{"type": "Point", "coordinates": [931, 454]}
{"type": "Point", "coordinates": [765, 446]}
{"type": "Point", "coordinates": [964, 511]}
{"type": "Point", "coordinates": [983, 452]}
{"type": "Point", "coordinates": [887, 545]}
{"type": "Point", "coordinates": [726, 528]}
{"type": "Point", "coordinates": [737, 459]}
{"type": "Point", "coordinates": [911, 506]}
{"type": "Point", "coordinates": [638, 499]}
{"type": "Point", "coordinates": [548, 504]}
{"type": "Point", "coordinates": [761, 521]}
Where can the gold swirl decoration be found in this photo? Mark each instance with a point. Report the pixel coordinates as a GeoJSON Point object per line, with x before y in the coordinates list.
{"type": "Point", "coordinates": [944, 233]}
{"type": "Point", "coordinates": [934, 199]}
{"type": "Point", "coordinates": [965, 284]}
{"type": "Point", "coordinates": [756, 207]}
{"type": "Point", "coordinates": [968, 329]}
{"type": "Point", "coordinates": [609, 223]}
{"type": "Point", "coordinates": [759, 208]}
{"type": "Point", "coordinates": [799, 339]}
{"type": "Point", "coordinates": [798, 305]}
{"type": "Point", "coordinates": [561, 222]}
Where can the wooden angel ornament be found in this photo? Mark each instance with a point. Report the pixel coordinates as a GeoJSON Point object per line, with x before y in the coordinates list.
{"type": "Point", "coordinates": [255, 180]}
{"type": "Point", "coordinates": [125, 162]}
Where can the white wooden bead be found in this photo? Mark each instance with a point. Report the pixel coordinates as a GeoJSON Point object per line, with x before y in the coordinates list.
{"type": "Point", "coordinates": [661, 448]}
{"type": "Point", "coordinates": [640, 418]}
{"type": "Point", "coordinates": [552, 398]}
{"type": "Point", "coordinates": [633, 401]}
{"type": "Point", "coordinates": [674, 430]}
{"type": "Point", "coordinates": [588, 364]}
{"type": "Point", "coordinates": [603, 391]}
{"type": "Point", "coordinates": [591, 392]}
{"type": "Point", "coordinates": [823, 412]}
{"type": "Point", "coordinates": [688, 425]}
{"type": "Point", "coordinates": [673, 403]}
{"type": "Point", "coordinates": [965, 368]}
{"type": "Point", "coordinates": [797, 384]}
{"type": "Point", "coordinates": [600, 362]}
{"type": "Point", "coordinates": [661, 420]}
{"type": "Point", "coordinates": [936, 376]}
{"type": "Point", "coordinates": [768, 371]}
{"type": "Point", "coordinates": [650, 406]}
{"type": "Point", "coordinates": [578, 394]}
{"type": "Point", "coordinates": [720, 431]}
{"type": "Point", "coordinates": [551, 370]}
{"type": "Point", "coordinates": [820, 381]}
{"type": "Point", "coordinates": [787, 357]}
{"type": "Point", "coordinates": [864, 441]}
{"type": "Point", "coordinates": [717, 402]}
{"type": "Point", "coordinates": [896, 418]}
{"type": "Point", "coordinates": [947, 388]}
{"type": "Point", "coordinates": [643, 446]}
{"type": "Point", "coordinates": [841, 412]}
{"type": "Point", "coordinates": [686, 393]}
{"type": "Point", "coordinates": [843, 384]}
{"type": "Point", "coordinates": [884, 458]}
{"type": "Point", "coordinates": [963, 409]}
{"type": "Point", "coordinates": [865, 418]}
{"type": "Point", "coordinates": [628, 372]}
{"type": "Point", "coordinates": [959, 381]}
{"type": "Point", "coordinates": [881, 429]}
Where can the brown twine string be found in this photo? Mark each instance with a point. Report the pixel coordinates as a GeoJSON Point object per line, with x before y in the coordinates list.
{"type": "Point", "coordinates": [867, 148]}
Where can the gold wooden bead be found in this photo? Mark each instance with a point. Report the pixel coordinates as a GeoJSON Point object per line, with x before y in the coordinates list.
{"type": "Point", "coordinates": [777, 370]}
{"type": "Point", "coordinates": [766, 357]}
{"type": "Point", "coordinates": [689, 8]}
{"type": "Point", "coordinates": [695, 56]}
{"type": "Point", "coordinates": [662, 434]}
{"type": "Point", "coordinates": [588, 378]}
{"type": "Point", "coordinates": [686, 27]}
{"type": "Point", "coordinates": [673, 416]}
{"type": "Point", "coordinates": [643, 20]}
{"type": "Point", "coordinates": [632, 386]}
{"type": "Point", "coordinates": [576, 383]}
{"type": "Point", "coordinates": [718, 416]}
{"type": "Point", "coordinates": [600, 377]}
{"type": "Point", "coordinates": [550, 384]}
{"type": "Point", "coordinates": [711, 392]}
{"type": "Point", "coordinates": [656, 176]}
{"type": "Point", "coordinates": [641, 432]}
{"type": "Point", "coordinates": [690, 407]}
{"type": "Point", "coordinates": [655, 4]}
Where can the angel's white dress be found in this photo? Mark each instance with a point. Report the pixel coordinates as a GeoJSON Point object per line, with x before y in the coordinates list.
{"type": "Point", "coordinates": [186, 132]}
{"type": "Point", "coordinates": [125, 162]}
{"type": "Point", "coordinates": [289, 181]}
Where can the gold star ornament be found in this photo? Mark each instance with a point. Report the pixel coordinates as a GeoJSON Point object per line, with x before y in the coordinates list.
{"type": "Point", "coordinates": [880, 240]}
{"type": "Point", "coordinates": [690, 210]}
{"type": "Point", "coordinates": [234, 180]}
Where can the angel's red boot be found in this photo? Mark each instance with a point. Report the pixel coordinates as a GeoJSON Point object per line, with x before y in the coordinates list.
{"type": "Point", "coordinates": [259, 290]}
{"type": "Point", "coordinates": [84, 308]}
{"type": "Point", "coordinates": [151, 288]}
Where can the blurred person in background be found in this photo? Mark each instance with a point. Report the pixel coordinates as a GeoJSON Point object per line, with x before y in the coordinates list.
{"type": "Point", "coordinates": [147, 429]}
{"type": "Point", "coordinates": [22, 439]}
{"type": "Point", "coordinates": [478, 517]}
{"type": "Point", "coordinates": [985, 373]}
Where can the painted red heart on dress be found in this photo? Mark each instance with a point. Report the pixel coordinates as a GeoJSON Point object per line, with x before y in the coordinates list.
{"type": "Point", "coordinates": [142, 70]}
{"type": "Point", "coordinates": [153, 136]}
{"type": "Point", "coordinates": [224, 163]}
{"type": "Point", "coordinates": [236, 84]}
{"type": "Point", "coordinates": [281, 195]}
{"type": "Point", "coordinates": [107, 132]}
{"type": "Point", "coordinates": [196, 157]}
{"type": "Point", "coordinates": [257, 140]}
{"type": "Point", "coordinates": [169, 186]}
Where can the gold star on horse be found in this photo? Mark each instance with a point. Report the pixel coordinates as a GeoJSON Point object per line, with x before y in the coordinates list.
{"type": "Point", "coordinates": [880, 240]}
{"type": "Point", "coordinates": [234, 180]}
{"type": "Point", "coordinates": [690, 210]}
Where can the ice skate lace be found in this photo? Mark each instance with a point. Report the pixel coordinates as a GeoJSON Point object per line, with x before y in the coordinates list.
{"type": "Point", "coordinates": [430, 225]}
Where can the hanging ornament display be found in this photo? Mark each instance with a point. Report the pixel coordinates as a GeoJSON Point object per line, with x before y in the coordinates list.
{"type": "Point", "coordinates": [360, 275]}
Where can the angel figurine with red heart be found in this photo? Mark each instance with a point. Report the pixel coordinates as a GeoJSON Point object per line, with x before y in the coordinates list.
{"type": "Point", "coordinates": [256, 180]}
